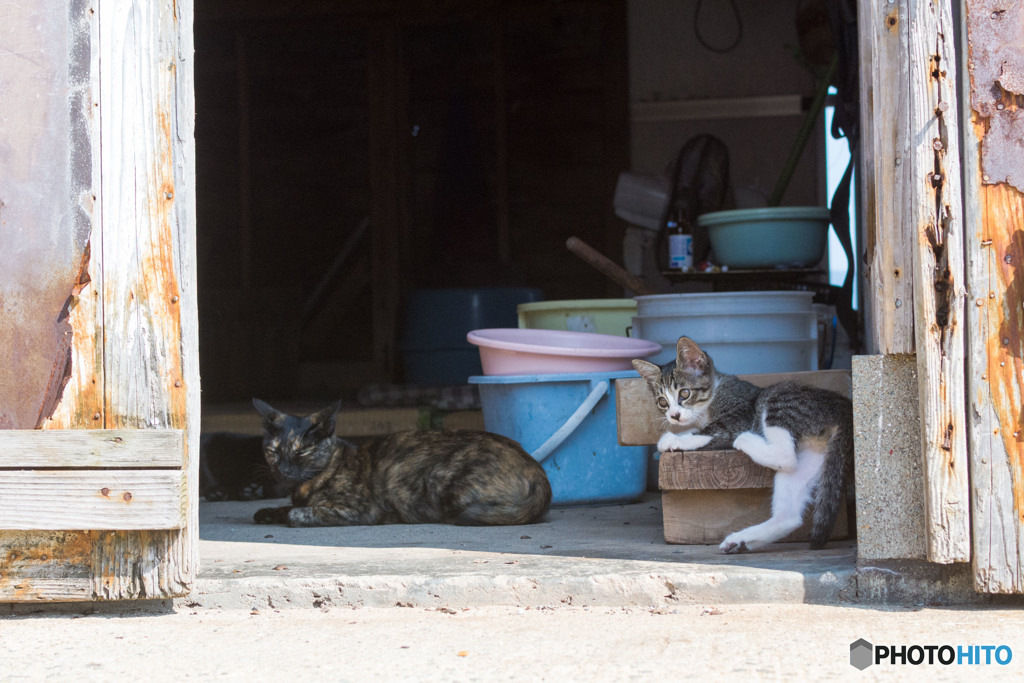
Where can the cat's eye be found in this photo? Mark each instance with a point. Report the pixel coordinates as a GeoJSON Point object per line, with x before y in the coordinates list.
{"type": "Point", "coordinates": [662, 402]}
{"type": "Point", "coordinates": [684, 394]}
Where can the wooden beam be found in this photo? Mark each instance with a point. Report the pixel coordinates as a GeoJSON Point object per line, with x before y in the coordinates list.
{"type": "Point", "coordinates": [885, 146]}
{"type": "Point", "coordinates": [383, 84]}
{"type": "Point", "coordinates": [91, 448]}
{"type": "Point", "coordinates": [933, 192]}
{"type": "Point", "coordinates": [92, 499]}
{"type": "Point", "coordinates": [695, 470]}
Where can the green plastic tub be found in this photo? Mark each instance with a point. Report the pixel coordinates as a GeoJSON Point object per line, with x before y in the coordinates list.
{"type": "Point", "coordinates": [789, 236]}
{"type": "Point", "coordinates": [604, 316]}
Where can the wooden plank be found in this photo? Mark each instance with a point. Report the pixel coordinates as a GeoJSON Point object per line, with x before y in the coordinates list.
{"type": "Point", "coordinates": [640, 423]}
{"type": "Point", "coordinates": [707, 517]}
{"type": "Point", "coordinates": [91, 499]}
{"type": "Point", "coordinates": [995, 389]}
{"type": "Point", "coordinates": [993, 223]}
{"type": "Point", "coordinates": [934, 196]}
{"type": "Point", "coordinates": [99, 448]}
{"type": "Point", "coordinates": [727, 469]}
{"type": "Point", "coordinates": [885, 136]}
{"type": "Point", "coordinates": [717, 108]}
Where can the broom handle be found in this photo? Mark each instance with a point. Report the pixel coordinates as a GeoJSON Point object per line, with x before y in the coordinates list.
{"type": "Point", "coordinates": [606, 266]}
{"type": "Point", "coordinates": [810, 119]}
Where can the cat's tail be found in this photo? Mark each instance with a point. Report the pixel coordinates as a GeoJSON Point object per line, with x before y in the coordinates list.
{"type": "Point", "coordinates": [829, 494]}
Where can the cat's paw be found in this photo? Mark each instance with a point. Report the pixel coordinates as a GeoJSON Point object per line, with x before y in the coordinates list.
{"type": "Point", "coordinates": [731, 547]}
{"type": "Point", "coordinates": [741, 541]}
{"type": "Point", "coordinates": [277, 515]}
{"type": "Point", "coordinates": [735, 542]}
{"type": "Point", "coordinates": [251, 491]}
{"type": "Point", "coordinates": [669, 442]}
{"type": "Point", "coordinates": [746, 442]}
{"type": "Point", "coordinates": [215, 494]}
{"type": "Point", "coordinates": [685, 441]}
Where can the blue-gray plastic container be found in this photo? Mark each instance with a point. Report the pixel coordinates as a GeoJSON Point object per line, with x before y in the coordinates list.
{"type": "Point", "coordinates": [434, 347]}
{"type": "Point", "coordinates": [567, 422]}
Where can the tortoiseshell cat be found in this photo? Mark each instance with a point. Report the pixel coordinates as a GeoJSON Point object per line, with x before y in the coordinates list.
{"type": "Point", "coordinates": [453, 476]}
{"type": "Point", "coordinates": [803, 433]}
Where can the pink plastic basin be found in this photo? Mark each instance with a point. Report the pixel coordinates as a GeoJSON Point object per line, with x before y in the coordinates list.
{"type": "Point", "coordinates": [512, 351]}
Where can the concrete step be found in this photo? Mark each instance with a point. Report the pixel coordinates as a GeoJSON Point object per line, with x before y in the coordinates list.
{"type": "Point", "coordinates": [609, 556]}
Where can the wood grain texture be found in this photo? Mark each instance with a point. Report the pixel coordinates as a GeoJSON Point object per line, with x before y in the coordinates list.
{"type": "Point", "coordinates": [884, 168]}
{"type": "Point", "coordinates": [935, 200]}
{"type": "Point", "coordinates": [94, 448]}
{"type": "Point", "coordinates": [640, 423]}
{"type": "Point", "coordinates": [91, 499]}
{"type": "Point", "coordinates": [712, 470]}
{"type": "Point", "coordinates": [707, 517]}
{"type": "Point", "coordinates": [135, 348]}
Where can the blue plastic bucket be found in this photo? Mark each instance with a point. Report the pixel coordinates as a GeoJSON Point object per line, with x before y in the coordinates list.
{"type": "Point", "coordinates": [567, 422]}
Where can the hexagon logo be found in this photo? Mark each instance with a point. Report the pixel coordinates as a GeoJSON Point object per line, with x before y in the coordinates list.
{"type": "Point", "coordinates": [861, 654]}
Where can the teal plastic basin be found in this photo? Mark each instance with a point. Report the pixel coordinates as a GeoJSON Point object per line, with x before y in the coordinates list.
{"type": "Point", "coordinates": [793, 236]}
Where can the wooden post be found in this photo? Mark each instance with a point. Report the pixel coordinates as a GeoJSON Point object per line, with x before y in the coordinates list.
{"type": "Point", "coordinates": [501, 176]}
{"type": "Point", "coordinates": [936, 219]}
{"type": "Point", "coordinates": [384, 73]}
{"type": "Point", "coordinates": [133, 314]}
{"type": "Point", "coordinates": [994, 223]}
{"type": "Point", "coordinates": [885, 145]}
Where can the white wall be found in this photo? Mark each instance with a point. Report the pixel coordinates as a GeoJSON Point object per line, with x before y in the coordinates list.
{"type": "Point", "coordinates": [668, 63]}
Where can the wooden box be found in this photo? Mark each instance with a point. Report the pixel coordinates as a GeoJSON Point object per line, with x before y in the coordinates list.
{"type": "Point", "coordinates": [706, 495]}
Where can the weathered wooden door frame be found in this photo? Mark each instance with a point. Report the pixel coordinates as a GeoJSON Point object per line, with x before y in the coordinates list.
{"type": "Point", "coordinates": [133, 320]}
{"type": "Point", "coordinates": [943, 241]}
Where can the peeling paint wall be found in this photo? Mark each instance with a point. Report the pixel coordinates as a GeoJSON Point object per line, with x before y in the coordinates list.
{"type": "Point", "coordinates": [994, 182]}
{"type": "Point", "coordinates": [996, 63]}
{"type": "Point", "coordinates": [45, 200]}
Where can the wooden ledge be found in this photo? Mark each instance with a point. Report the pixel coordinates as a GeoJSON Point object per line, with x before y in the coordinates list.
{"type": "Point", "coordinates": [711, 470]}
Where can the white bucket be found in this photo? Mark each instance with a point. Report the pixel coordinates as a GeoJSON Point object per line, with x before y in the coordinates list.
{"type": "Point", "coordinates": [723, 303]}
{"type": "Point", "coordinates": [743, 332]}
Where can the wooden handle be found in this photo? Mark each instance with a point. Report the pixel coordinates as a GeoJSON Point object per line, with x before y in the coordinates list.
{"type": "Point", "coordinates": [606, 266]}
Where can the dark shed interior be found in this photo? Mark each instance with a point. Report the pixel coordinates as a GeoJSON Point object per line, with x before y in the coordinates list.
{"type": "Point", "coordinates": [349, 153]}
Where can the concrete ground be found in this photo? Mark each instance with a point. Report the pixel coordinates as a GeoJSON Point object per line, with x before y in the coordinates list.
{"type": "Point", "coordinates": [590, 594]}
{"type": "Point", "coordinates": [609, 555]}
{"type": "Point", "coordinates": [689, 642]}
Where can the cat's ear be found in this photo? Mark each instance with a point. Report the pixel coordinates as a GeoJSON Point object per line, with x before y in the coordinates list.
{"type": "Point", "coordinates": [649, 371]}
{"type": "Point", "coordinates": [325, 417]}
{"type": "Point", "coordinates": [271, 416]}
{"type": "Point", "coordinates": [690, 357]}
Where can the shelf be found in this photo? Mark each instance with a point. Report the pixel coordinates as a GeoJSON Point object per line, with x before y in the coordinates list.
{"type": "Point", "coordinates": [725, 108]}
{"type": "Point", "coordinates": [738, 273]}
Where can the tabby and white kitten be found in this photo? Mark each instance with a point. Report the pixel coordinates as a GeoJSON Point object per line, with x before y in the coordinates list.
{"type": "Point", "coordinates": [803, 433]}
{"type": "Point", "coordinates": [453, 476]}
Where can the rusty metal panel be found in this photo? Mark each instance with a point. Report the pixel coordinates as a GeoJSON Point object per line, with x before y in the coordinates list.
{"type": "Point", "coordinates": [45, 201]}
{"type": "Point", "coordinates": [994, 208]}
{"type": "Point", "coordinates": [996, 62]}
